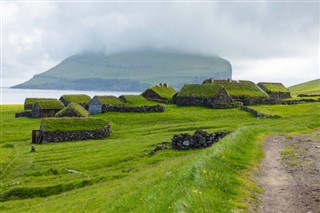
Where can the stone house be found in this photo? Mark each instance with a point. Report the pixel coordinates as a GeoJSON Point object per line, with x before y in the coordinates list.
{"type": "Point", "coordinates": [28, 102]}
{"type": "Point", "coordinates": [276, 91]}
{"type": "Point", "coordinates": [208, 95]}
{"type": "Point", "coordinates": [161, 92]}
{"type": "Point", "coordinates": [73, 110]}
{"type": "Point", "coordinates": [74, 129]}
{"type": "Point", "coordinates": [46, 108]}
{"type": "Point", "coordinates": [95, 106]}
{"type": "Point", "coordinates": [81, 99]}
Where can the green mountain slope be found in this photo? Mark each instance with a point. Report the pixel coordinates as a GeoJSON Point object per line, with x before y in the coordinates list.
{"type": "Point", "coordinates": [129, 71]}
{"type": "Point", "coordinates": [310, 87]}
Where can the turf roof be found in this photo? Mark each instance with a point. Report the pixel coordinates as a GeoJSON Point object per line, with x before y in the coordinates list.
{"type": "Point", "coordinates": [138, 100]}
{"type": "Point", "coordinates": [110, 100]}
{"type": "Point", "coordinates": [274, 87]}
{"type": "Point", "coordinates": [164, 92]}
{"type": "Point", "coordinates": [77, 98]}
{"type": "Point", "coordinates": [242, 88]}
{"type": "Point", "coordinates": [31, 101]}
{"type": "Point", "coordinates": [75, 108]}
{"type": "Point", "coordinates": [199, 90]}
{"type": "Point", "coordinates": [72, 124]}
{"type": "Point", "coordinates": [50, 104]}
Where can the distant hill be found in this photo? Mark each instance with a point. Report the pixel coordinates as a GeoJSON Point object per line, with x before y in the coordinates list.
{"type": "Point", "coordinates": [310, 87]}
{"type": "Point", "coordinates": [129, 71]}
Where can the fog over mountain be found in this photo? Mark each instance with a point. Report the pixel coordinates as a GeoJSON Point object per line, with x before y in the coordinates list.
{"type": "Point", "coordinates": [264, 41]}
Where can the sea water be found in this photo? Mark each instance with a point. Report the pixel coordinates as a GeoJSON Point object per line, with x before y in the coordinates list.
{"type": "Point", "coordinates": [17, 96]}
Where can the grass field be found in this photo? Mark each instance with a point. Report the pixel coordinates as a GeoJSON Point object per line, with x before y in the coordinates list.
{"type": "Point", "coordinates": [119, 174]}
{"type": "Point", "coordinates": [310, 87]}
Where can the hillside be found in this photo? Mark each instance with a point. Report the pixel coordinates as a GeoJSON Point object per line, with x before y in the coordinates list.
{"type": "Point", "coordinates": [310, 87]}
{"type": "Point", "coordinates": [129, 71]}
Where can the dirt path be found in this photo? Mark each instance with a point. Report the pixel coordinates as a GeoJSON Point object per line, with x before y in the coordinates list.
{"type": "Point", "coordinates": [291, 180]}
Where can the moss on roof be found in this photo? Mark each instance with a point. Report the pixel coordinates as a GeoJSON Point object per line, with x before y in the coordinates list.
{"type": "Point", "coordinates": [31, 101]}
{"type": "Point", "coordinates": [242, 88]}
{"type": "Point", "coordinates": [138, 100]}
{"type": "Point", "coordinates": [274, 87]}
{"type": "Point", "coordinates": [72, 124]}
{"type": "Point", "coordinates": [164, 92]}
{"type": "Point", "coordinates": [75, 109]}
{"type": "Point", "coordinates": [77, 98]}
{"type": "Point", "coordinates": [50, 104]}
{"type": "Point", "coordinates": [199, 90]}
{"type": "Point", "coordinates": [112, 100]}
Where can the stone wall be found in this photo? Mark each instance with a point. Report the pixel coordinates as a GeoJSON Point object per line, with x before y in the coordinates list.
{"type": "Point", "coordinates": [200, 139]}
{"type": "Point", "coordinates": [307, 95]}
{"type": "Point", "coordinates": [150, 94]}
{"type": "Point", "coordinates": [257, 114]}
{"type": "Point", "coordinates": [27, 114]}
{"type": "Point", "coordinates": [123, 108]}
{"type": "Point", "coordinates": [279, 95]}
{"type": "Point", "coordinates": [46, 137]}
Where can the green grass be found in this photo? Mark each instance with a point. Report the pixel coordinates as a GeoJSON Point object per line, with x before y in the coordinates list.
{"type": "Point", "coordinates": [30, 101]}
{"type": "Point", "coordinates": [72, 124]}
{"type": "Point", "coordinates": [119, 174]}
{"type": "Point", "coordinates": [77, 98]}
{"type": "Point", "coordinates": [75, 109]}
{"type": "Point", "coordinates": [310, 87]}
{"type": "Point", "coordinates": [138, 100]}
{"type": "Point", "coordinates": [164, 92]}
{"type": "Point", "coordinates": [274, 87]}
{"type": "Point", "coordinates": [50, 104]}
{"type": "Point", "coordinates": [242, 88]}
{"type": "Point", "coordinates": [199, 90]}
{"type": "Point", "coordinates": [112, 100]}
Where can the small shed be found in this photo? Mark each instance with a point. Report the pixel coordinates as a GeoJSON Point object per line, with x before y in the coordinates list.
{"type": "Point", "coordinates": [81, 99]}
{"type": "Point", "coordinates": [275, 90]}
{"type": "Point", "coordinates": [73, 110]}
{"type": "Point", "coordinates": [46, 108]}
{"type": "Point", "coordinates": [161, 92]}
{"type": "Point", "coordinates": [71, 129]}
{"type": "Point", "coordinates": [202, 95]}
{"type": "Point", "coordinates": [97, 102]}
{"type": "Point", "coordinates": [28, 102]}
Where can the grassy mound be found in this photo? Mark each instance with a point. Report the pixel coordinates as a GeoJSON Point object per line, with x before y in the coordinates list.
{"type": "Point", "coordinates": [77, 98]}
{"type": "Point", "coordinates": [310, 88]}
{"type": "Point", "coordinates": [274, 87]}
{"type": "Point", "coordinates": [74, 109]}
{"type": "Point", "coordinates": [199, 90]}
{"type": "Point", "coordinates": [71, 124]}
{"type": "Point", "coordinates": [242, 89]}
{"type": "Point", "coordinates": [50, 104]}
{"type": "Point", "coordinates": [164, 92]}
{"type": "Point", "coordinates": [137, 100]}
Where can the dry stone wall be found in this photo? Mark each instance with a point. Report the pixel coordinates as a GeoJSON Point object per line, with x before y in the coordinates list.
{"type": "Point", "coordinates": [257, 114]}
{"type": "Point", "coordinates": [27, 114]}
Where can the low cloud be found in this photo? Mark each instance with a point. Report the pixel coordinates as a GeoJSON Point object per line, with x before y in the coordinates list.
{"type": "Point", "coordinates": [276, 41]}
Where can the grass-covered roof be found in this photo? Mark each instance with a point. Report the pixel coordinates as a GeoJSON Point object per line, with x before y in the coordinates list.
{"type": "Point", "coordinates": [199, 90]}
{"type": "Point", "coordinates": [72, 124]}
{"type": "Point", "coordinates": [77, 98]}
{"type": "Point", "coordinates": [137, 100]}
{"type": "Point", "coordinates": [274, 87]}
{"type": "Point", "coordinates": [163, 91]}
{"type": "Point", "coordinates": [242, 88]}
{"type": "Point", "coordinates": [73, 108]}
{"type": "Point", "coordinates": [110, 100]}
{"type": "Point", "coordinates": [50, 104]}
{"type": "Point", "coordinates": [31, 101]}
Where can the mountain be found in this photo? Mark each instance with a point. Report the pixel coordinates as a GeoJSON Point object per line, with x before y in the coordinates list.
{"type": "Point", "coordinates": [129, 71]}
{"type": "Point", "coordinates": [310, 87]}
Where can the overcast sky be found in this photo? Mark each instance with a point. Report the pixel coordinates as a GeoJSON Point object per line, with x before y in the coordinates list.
{"type": "Point", "coordinates": [264, 41]}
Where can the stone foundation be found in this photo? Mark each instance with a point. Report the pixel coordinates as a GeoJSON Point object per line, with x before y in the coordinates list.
{"type": "Point", "coordinates": [257, 114]}
{"type": "Point", "coordinates": [123, 108]}
{"type": "Point", "coordinates": [27, 114]}
{"type": "Point", "coordinates": [200, 139]}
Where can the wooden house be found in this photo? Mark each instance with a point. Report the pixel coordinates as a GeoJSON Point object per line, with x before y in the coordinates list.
{"type": "Point", "coordinates": [95, 106]}
{"type": "Point", "coordinates": [46, 108]}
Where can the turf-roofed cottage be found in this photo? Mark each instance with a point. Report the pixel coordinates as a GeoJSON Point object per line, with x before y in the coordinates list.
{"type": "Point", "coordinates": [161, 92]}
{"type": "Point", "coordinates": [81, 99]}
{"type": "Point", "coordinates": [73, 110]}
{"type": "Point", "coordinates": [71, 129]}
{"type": "Point", "coordinates": [275, 90]}
{"type": "Point", "coordinates": [28, 102]}
{"type": "Point", "coordinates": [246, 92]}
{"type": "Point", "coordinates": [201, 95]}
{"type": "Point", "coordinates": [97, 103]}
{"type": "Point", "coordinates": [46, 108]}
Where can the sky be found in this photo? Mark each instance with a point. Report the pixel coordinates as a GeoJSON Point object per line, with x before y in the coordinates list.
{"type": "Point", "coordinates": [276, 41]}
